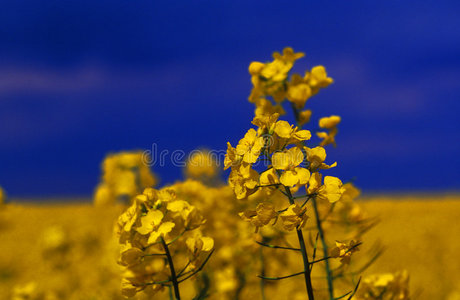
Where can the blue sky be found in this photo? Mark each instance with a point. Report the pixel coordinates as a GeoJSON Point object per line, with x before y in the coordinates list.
{"type": "Point", "coordinates": [79, 79]}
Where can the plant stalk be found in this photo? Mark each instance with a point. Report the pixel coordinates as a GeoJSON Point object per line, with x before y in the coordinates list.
{"type": "Point", "coordinates": [173, 271]}
{"type": "Point", "coordinates": [319, 226]}
{"type": "Point", "coordinates": [303, 250]}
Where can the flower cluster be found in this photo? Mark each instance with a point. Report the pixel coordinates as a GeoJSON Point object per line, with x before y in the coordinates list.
{"type": "Point", "coordinates": [124, 175]}
{"type": "Point", "coordinates": [276, 158]}
{"type": "Point", "coordinates": [156, 228]}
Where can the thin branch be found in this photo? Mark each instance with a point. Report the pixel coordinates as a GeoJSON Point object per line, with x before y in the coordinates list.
{"type": "Point", "coordinates": [305, 202]}
{"type": "Point", "coordinates": [277, 247]}
{"type": "Point", "coordinates": [282, 277]}
{"type": "Point", "coordinates": [343, 296]}
{"type": "Point", "coordinates": [163, 282]}
{"type": "Point", "coordinates": [356, 288]}
{"type": "Point", "coordinates": [199, 269]}
{"type": "Point", "coordinates": [183, 269]}
{"type": "Point", "coordinates": [315, 247]}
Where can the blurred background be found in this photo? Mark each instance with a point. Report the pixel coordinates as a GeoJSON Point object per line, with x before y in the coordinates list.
{"type": "Point", "coordinates": [80, 79]}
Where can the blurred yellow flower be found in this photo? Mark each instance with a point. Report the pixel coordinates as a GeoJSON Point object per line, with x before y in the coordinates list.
{"type": "Point", "coordinates": [261, 216]}
{"type": "Point", "coordinates": [201, 164]}
{"type": "Point", "coordinates": [344, 251]}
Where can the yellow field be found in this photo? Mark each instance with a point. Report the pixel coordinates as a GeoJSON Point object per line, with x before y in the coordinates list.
{"type": "Point", "coordinates": [59, 248]}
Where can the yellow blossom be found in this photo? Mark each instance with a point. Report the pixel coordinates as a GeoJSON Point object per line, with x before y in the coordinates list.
{"type": "Point", "coordinates": [268, 79]}
{"type": "Point", "coordinates": [250, 146]}
{"type": "Point", "coordinates": [289, 161]}
{"type": "Point", "coordinates": [201, 164]}
{"type": "Point", "coordinates": [261, 216]}
{"type": "Point", "coordinates": [298, 91]}
{"type": "Point", "coordinates": [231, 157]}
{"type": "Point", "coordinates": [304, 117]}
{"type": "Point", "coordinates": [265, 107]}
{"type": "Point", "coordinates": [329, 122]}
{"type": "Point", "coordinates": [344, 251]}
{"type": "Point", "coordinates": [131, 256]}
{"type": "Point", "coordinates": [331, 190]}
{"type": "Point", "coordinates": [243, 181]}
{"type": "Point", "coordinates": [161, 231]}
{"type": "Point", "coordinates": [316, 156]}
{"type": "Point", "coordinates": [198, 244]}
{"type": "Point", "coordinates": [150, 221]}
{"type": "Point", "coordinates": [269, 177]}
{"type": "Point", "coordinates": [125, 174]}
{"type": "Point", "coordinates": [294, 217]}
{"type": "Point", "coordinates": [287, 131]}
{"type": "Point", "coordinates": [266, 123]}
{"type": "Point", "coordinates": [350, 192]}
{"type": "Point", "coordinates": [128, 289]}
{"type": "Point", "coordinates": [385, 286]}
{"type": "Point", "coordinates": [317, 78]}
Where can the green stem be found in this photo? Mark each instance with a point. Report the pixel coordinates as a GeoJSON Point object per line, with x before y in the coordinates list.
{"type": "Point", "coordinates": [173, 271]}
{"type": "Point", "coordinates": [330, 286]}
{"type": "Point", "coordinates": [303, 250]}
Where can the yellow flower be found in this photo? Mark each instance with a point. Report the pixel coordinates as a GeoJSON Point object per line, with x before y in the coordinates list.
{"type": "Point", "coordinates": [298, 91]}
{"type": "Point", "coordinates": [269, 177]}
{"type": "Point", "coordinates": [304, 117]}
{"type": "Point", "coordinates": [250, 146]}
{"type": "Point", "coordinates": [261, 216]}
{"type": "Point", "coordinates": [201, 164]}
{"type": "Point", "coordinates": [189, 214]}
{"type": "Point", "coordinates": [243, 181]}
{"type": "Point", "coordinates": [231, 157]}
{"type": "Point", "coordinates": [102, 196]}
{"type": "Point", "coordinates": [317, 78]}
{"type": "Point", "coordinates": [150, 221]}
{"type": "Point", "coordinates": [289, 160]}
{"type": "Point", "coordinates": [344, 251]}
{"type": "Point", "coordinates": [131, 256]}
{"type": "Point", "coordinates": [128, 218]}
{"type": "Point", "coordinates": [198, 244]}
{"type": "Point", "coordinates": [329, 122]}
{"type": "Point", "coordinates": [25, 291]}
{"type": "Point", "coordinates": [161, 231]}
{"type": "Point", "coordinates": [266, 123]}
{"type": "Point", "coordinates": [350, 192]}
{"type": "Point", "coordinates": [287, 131]}
{"type": "Point", "coordinates": [265, 107]}
{"type": "Point", "coordinates": [294, 217]}
{"type": "Point", "coordinates": [128, 289]}
{"type": "Point", "coordinates": [385, 286]}
{"type": "Point", "coordinates": [268, 79]}
{"type": "Point", "coordinates": [125, 174]}
{"type": "Point", "coordinates": [316, 156]}
{"type": "Point", "coordinates": [331, 190]}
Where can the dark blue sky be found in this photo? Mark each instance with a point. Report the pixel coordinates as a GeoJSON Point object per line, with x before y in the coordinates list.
{"type": "Point", "coordinates": [79, 79]}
